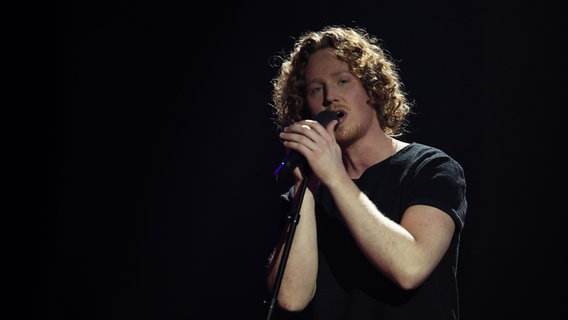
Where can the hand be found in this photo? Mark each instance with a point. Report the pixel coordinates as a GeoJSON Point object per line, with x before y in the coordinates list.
{"type": "Point", "coordinates": [317, 144]}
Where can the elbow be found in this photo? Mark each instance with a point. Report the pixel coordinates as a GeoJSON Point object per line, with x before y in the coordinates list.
{"type": "Point", "coordinates": [295, 301]}
{"type": "Point", "coordinates": [409, 278]}
{"type": "Point", "coordinates": [408, 284]}
{"type": "Point", "coordinates": [293, 306]}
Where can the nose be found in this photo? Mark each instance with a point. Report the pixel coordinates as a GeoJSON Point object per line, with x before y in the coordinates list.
{"type": "Point", "coordinates": [329, 97]}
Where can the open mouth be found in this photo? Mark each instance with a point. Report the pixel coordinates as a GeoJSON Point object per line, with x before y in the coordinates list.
{"type": "Point", "coordinates": [340, 116]}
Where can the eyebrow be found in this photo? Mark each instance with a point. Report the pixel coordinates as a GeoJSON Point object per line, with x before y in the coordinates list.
{"type": "Point", "coordinates": [335, 74]}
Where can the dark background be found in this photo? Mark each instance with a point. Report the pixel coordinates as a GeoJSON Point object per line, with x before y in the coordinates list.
{"type": "Point", "coordinates": [141, 149]}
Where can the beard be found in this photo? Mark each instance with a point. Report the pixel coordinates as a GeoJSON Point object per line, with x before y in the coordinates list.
{"type": "Point", "coordinates": [345, 136]}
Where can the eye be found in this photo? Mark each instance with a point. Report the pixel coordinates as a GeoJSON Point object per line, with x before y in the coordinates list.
{"type": "Point", "coordinates": [314, 90]}
{"type": "Point", "coordinates": [343, 81]}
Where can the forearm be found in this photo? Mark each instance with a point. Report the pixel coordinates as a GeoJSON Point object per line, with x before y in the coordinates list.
{"type": "Point", "coordinates": [390, 247]}
{"type": "Point", "coordinates": [299, 280]}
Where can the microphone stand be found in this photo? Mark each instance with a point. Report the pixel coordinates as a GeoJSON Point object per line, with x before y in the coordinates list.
{"type": "Point", "coordinates": [294, 223]}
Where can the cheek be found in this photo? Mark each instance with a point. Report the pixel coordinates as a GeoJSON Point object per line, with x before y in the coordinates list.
{"type": "Point", "coordinates": [362, 96]}
{"type": "Point", "coordinates": [360, 99]}
{"type": "Point", "coordinates": [314, 105]}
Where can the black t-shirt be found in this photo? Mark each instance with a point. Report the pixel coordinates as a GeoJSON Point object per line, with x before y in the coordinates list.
{"type": "Point", "coordinates": [349, 287]}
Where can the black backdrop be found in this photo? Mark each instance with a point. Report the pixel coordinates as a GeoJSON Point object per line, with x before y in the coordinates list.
{"type": "Point", "coordinates": [141, 149]}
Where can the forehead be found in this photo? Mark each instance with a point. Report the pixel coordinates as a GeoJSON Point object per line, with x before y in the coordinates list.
{"type": "Point", "coordinates": [324, 63]}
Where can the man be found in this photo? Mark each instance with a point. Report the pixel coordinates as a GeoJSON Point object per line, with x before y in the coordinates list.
{"type": "Point", "coordinates": [381, 218]}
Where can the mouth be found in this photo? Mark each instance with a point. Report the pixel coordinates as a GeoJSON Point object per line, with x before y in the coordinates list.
{"type": "Point", "coordinates": [341, 116]}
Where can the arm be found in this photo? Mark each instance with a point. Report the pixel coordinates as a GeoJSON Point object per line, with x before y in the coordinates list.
{"type": "Point", "coordinates": [406, 252]}
{"type": "Point", "coordinates": [299, 280]}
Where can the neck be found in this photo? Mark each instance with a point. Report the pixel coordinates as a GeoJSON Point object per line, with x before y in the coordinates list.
{"type": "Point", "coordinates": [368, 151]}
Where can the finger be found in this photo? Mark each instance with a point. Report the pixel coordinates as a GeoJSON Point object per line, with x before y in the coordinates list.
{"type": "Point", "coordinates": [299, 133]}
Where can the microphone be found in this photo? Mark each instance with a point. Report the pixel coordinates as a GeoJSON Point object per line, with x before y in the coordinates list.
{"type": "Point", "coordinates": [294, 158]}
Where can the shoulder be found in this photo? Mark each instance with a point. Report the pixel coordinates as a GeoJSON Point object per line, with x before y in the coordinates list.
{"type": "Point", "coordinates": [436, 179]}
{"type": "Point", "coordinates": [415, 148]}
{"type": "Point", "coordinates": [420, 157]}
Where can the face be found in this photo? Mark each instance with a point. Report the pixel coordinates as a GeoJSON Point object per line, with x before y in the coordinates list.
{"type": "Point", "coordinates": [330, 85]}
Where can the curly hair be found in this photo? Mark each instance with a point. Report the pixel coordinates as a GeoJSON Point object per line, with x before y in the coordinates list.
{"type": "Point", "coordinates": [366, 59]}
